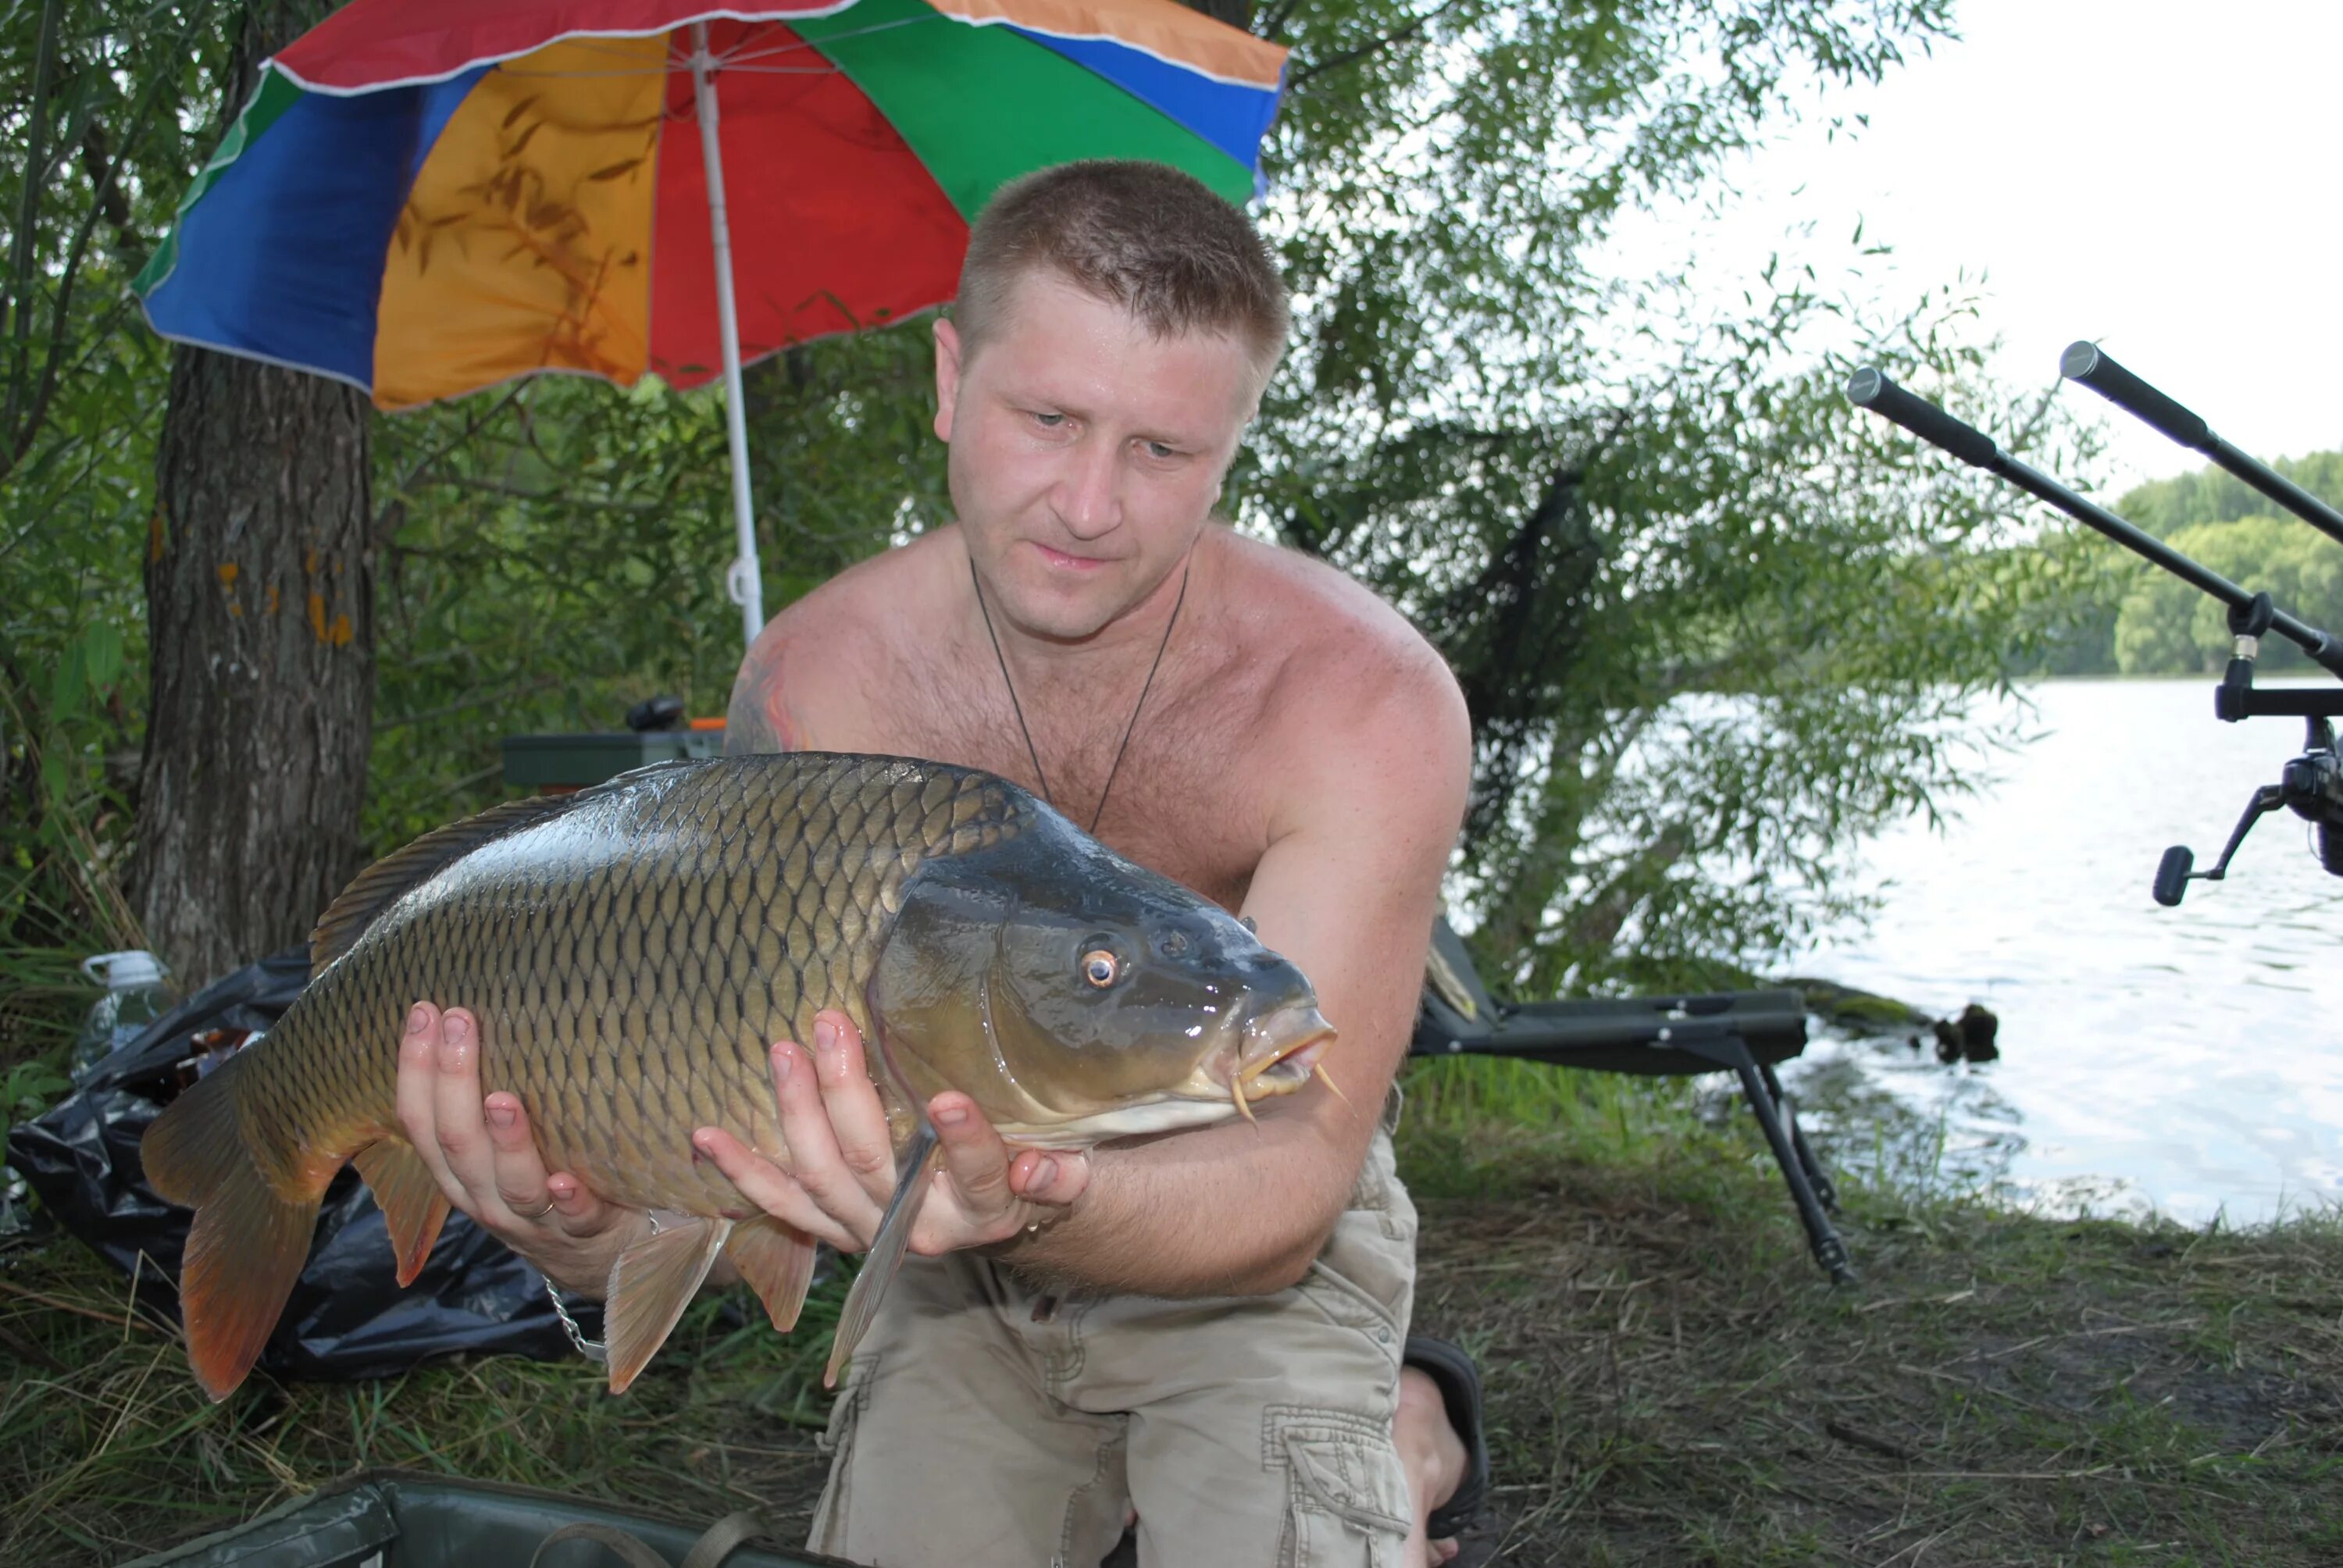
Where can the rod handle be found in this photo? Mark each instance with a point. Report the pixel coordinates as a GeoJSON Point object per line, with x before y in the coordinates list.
{"type": "Point", "coordinates": [2085, 362]}
{"type": "Point", "coordinates": [1867, 388]}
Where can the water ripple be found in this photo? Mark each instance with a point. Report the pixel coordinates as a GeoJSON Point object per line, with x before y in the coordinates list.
{"type": "Point", "coordinates": [2188, 1060]}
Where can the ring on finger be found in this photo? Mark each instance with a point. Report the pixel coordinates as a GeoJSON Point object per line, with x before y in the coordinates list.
{"type": "Point", "coordinates": [539, 1212]}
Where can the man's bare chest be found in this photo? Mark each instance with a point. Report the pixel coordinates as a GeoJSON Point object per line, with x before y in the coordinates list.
{"type": "Point", "coordinates": [1178, 799]}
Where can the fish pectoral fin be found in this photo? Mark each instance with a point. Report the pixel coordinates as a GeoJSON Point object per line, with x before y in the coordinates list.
{"type": "Point", "coordinates": [411, 1202]}
{"type": "Point", "coordinates": [886, 1255]}
{"type": "Point", "coordinates": [777, 1260]}
{"type": "Point", "coordinates": [650, 1284]}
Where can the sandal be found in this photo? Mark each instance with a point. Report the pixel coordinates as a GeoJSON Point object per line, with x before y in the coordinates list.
{"type": "Point", "coordinates": [1452, 1371]}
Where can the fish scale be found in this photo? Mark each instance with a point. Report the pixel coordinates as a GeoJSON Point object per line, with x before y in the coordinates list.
{"type": "Point", "coordinates": [631, 951]}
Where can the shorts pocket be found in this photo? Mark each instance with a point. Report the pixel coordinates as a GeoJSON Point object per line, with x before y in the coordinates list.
{"type": "Point", "coordinates": [1346, 1493]}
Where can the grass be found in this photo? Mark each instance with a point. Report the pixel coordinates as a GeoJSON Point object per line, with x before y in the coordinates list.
{"type": "Point", "coordinates": [1670, 1381]}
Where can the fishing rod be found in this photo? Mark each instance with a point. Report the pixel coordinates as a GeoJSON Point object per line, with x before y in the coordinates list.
{"type": "Point", "coordinates": [2086, 363]}
{"type": "Point", "coordinates": [2311, 785]}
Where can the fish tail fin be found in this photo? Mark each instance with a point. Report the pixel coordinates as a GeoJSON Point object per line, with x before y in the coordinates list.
{"type": "Point", "coordinates": [886, 1254]}
{"type": "Point", "coordinates": [409, 1198]}
{"type": "Point", "coordinates": [777, 1262]}
{"type": "Point", "coordinates": [248, 1241]}
{"type": "Point", "coordinates": [650, 1284]}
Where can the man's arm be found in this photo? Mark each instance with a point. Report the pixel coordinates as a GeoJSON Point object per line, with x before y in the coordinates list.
{"type": "Point", "coordinates": [1348, 891]}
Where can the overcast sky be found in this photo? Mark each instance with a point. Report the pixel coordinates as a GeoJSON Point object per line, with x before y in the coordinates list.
{"type": "Point", "coordinates": [2156, 176]}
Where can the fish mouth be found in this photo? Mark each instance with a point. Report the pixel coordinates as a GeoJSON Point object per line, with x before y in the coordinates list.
{"type": "Point", "coordinates": [1279, 1054]}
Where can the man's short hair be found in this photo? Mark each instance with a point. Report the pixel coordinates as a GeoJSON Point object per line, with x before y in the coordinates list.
{"type": "Point", "coordinates": [1153, 239]}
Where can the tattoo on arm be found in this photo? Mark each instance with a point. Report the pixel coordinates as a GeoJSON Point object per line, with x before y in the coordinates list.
{"type": "Point", "coordinates": [759, 719]}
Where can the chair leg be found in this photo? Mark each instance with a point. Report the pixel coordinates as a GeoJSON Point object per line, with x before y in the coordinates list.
{"type": "Point", "coordinates": [1829, 1251]}
{"type": "Point", "coordinates": [1823, 1188]}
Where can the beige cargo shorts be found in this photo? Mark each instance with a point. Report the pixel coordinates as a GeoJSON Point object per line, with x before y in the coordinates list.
{"type": "Point", "coordinates": [987, 1425]}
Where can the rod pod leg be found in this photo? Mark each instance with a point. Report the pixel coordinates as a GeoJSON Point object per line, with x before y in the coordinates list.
{"type": "Point", "coordinates": [1824, 1189]}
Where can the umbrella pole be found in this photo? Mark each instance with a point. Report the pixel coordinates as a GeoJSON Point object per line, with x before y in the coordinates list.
{"type": "Point", "coordinates": [744, 581]}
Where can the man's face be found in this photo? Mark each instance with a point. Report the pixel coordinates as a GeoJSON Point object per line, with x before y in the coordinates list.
{"type": "Point", "coordinates": [1086, 454]}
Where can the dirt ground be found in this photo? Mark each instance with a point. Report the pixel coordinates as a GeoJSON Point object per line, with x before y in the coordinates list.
{"type": "Point", "coordinates": [1671, 1382]}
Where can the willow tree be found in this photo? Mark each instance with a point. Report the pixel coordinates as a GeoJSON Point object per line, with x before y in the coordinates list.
{"type": "Point", "coordinates": [1713, 626]}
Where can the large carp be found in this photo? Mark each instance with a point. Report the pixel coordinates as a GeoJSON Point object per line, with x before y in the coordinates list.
{"type": "Point", "coordinates": [632, 952]}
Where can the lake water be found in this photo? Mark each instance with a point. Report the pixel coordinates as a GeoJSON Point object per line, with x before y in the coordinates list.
{"type": "Point", "coordinates": [2188, 1061]}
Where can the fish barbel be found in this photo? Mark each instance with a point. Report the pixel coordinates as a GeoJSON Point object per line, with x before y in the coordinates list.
{"type": "Point", "coordinates": [632, 952]}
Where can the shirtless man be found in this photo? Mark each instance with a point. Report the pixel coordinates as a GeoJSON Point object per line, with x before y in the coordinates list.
{"type": "Point", "coordinates": [1205, 1326]}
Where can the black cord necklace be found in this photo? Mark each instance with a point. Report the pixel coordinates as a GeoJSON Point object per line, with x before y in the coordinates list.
{"type": "Point", "coordinates": [1018, 709]}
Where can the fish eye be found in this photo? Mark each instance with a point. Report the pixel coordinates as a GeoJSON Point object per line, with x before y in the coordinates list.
{"type": "Point", "coordinates": [1101, 967]}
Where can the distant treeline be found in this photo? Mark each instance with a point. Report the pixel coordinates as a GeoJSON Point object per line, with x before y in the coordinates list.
{"type": "Point", "coordinates": [2126, 618]}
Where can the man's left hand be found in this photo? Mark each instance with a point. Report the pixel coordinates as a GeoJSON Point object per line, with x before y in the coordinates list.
{"type": "Point", "coordinates": [842, 1172]}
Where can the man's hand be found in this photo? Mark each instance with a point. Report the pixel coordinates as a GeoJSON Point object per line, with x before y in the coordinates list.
{"type": "Point", "coordinates": [485, 1158]}
{"type": "Point", "coordinates": [842, 1159]}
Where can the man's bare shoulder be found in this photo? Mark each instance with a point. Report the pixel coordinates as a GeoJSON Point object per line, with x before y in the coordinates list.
{"type": "Point", "coordinates": [874, 593]}
{"type": "Point", "coordinates": [786, 700]}
{"type": "Point", "coordinates": [1331, 638]}
{"type": "Point", "coordinates": [1356, 689]}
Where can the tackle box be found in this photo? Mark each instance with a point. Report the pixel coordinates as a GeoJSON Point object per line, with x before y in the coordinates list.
{"type": "Point", "coordinates": [558, 762]}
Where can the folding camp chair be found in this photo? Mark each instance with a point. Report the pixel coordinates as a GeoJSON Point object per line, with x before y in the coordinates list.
{"type": "Point", "coordinates": [1744, 1031]}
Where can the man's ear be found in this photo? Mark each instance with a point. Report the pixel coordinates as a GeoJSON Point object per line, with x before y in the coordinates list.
{"type": "Point", "coordinates": [947, 364]}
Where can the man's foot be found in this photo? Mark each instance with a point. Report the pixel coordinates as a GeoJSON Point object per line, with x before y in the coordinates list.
{"type": "Point", "coordinates": [1438, 1434]}
{"type": "Point", "coordinates": [1436, 1462]}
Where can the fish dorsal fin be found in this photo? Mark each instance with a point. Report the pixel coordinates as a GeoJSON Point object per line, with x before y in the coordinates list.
{"type": "Point", "coordinates": [377, 887]}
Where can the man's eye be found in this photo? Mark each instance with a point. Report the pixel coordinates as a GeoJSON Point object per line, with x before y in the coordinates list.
{"type": "Point", "coordinates": [1159, 452]}
{"type": "Point", "coordinates": [1049, 421]}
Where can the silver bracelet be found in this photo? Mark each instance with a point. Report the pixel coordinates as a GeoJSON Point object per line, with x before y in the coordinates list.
{"type": "Point", "coordinates": [595, 1350]}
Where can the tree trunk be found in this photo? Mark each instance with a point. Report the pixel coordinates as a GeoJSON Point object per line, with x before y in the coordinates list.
{"type": "Point", "coordinates": [261, 616]}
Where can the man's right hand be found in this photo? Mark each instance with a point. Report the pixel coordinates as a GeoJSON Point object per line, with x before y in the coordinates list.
{"type": "Point", "coordinates": [485, 1158]}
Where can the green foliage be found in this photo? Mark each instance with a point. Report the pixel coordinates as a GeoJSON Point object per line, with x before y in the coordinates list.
{"type": "Point", "coordinates": [105, 109]}
{"type": "Point", "coordinates": [2211, 495]}
{"type": "Point", "coordinates": [556, 552]}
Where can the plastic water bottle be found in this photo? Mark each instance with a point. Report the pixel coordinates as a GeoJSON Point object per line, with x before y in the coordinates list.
{"type": "Point", "coordinates": [137, 992]}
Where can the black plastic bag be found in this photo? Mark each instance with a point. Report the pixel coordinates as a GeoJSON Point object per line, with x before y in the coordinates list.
{"type": "Point", "coordinates": [348, 1317]}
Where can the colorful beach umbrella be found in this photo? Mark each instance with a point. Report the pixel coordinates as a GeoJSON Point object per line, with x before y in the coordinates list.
{"type": "Point", "coordinates": [425, 197]}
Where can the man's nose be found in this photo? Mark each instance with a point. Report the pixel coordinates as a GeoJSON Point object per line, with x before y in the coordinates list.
{"type": "Point", "coordinates": [1090, 498]}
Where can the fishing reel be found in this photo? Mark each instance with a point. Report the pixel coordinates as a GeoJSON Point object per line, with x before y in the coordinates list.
{"type": "Point", "coordinates": [2311, 786]}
